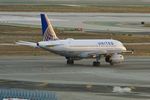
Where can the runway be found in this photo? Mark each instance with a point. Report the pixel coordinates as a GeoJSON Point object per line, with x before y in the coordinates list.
{"type": "Point", "coordinates": [96, 22]}
{"type": "Point", "coordinates": [71, 81]}
{"type": "Point", "coordinates": [134, 71]}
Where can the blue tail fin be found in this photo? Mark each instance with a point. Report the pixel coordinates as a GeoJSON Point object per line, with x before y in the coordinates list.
{"type": "Point", "coordinates": [47, 29]}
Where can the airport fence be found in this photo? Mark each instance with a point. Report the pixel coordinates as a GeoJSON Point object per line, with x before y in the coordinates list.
{"type": "Point", "coordinates": [27, 94]}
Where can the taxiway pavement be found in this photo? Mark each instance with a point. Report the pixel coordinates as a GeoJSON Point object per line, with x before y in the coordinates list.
{"type": "Point", "coordinates": [97, 22]}
{"type": "Point", "coordinates": [134, 71]}
{"type": "Point", "coordinates": [53, 73]}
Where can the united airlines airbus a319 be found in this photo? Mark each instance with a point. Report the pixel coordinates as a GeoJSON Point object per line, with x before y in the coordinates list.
{"type": "Point", "coordinates": [77, 49]}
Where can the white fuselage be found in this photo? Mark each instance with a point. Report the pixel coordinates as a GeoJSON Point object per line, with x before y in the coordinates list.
{"type": "Point", "coordinates": [82, 48]}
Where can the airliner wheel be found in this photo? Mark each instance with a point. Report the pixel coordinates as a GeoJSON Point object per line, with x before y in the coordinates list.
{"type": "Point", "coordinates": [70, 61]}
{"type": "Point", "coordinates": [95, 63]}
{"type": "Point", "coordinates": [111, 63]}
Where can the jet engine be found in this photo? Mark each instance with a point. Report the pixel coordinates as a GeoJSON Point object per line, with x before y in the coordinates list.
{"type": "Point", "coordinates": [115, 58]}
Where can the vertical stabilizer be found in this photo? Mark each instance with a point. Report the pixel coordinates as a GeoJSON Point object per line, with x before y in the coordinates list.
{"type": "Point", "coordinates": [47, 29]}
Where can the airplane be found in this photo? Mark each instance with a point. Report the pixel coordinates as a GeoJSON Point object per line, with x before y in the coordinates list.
{"type": "Point", "coordinates": [77, 49]}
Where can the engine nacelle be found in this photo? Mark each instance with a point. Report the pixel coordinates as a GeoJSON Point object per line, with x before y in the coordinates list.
{"type": "Point", "coordinates": [115, 58]}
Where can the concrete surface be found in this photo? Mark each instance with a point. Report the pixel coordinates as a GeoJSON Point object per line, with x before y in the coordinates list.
{"type": "Point", "coordinates": [99, 22]}
{"type": "Point", "coordinates": [134, 72]}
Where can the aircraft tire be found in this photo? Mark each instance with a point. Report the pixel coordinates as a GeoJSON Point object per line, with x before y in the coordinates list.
{"type": "Point", "coordinates": [70, 61]}
{"type": "Point", "coordinates": [95, 63]}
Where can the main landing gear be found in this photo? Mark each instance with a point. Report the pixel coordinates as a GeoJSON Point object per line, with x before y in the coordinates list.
{"type": "Point", "coordinates": [70, 61]}
{"type": "Point", "coordinates": [96, 63]}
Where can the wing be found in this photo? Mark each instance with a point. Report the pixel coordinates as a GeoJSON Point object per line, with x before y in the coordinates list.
{"type": "Point", "coordinates": [25, 43]}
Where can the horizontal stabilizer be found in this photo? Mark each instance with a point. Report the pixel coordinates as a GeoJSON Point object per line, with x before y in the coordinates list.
{"type": "Point", "coordinates": [25, 43]}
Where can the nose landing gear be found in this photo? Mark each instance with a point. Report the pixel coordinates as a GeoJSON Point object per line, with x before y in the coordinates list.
{"type": "Point", "coordinates": [70, 61]}
{"type": "Point", "coordinates": [95, 63]}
